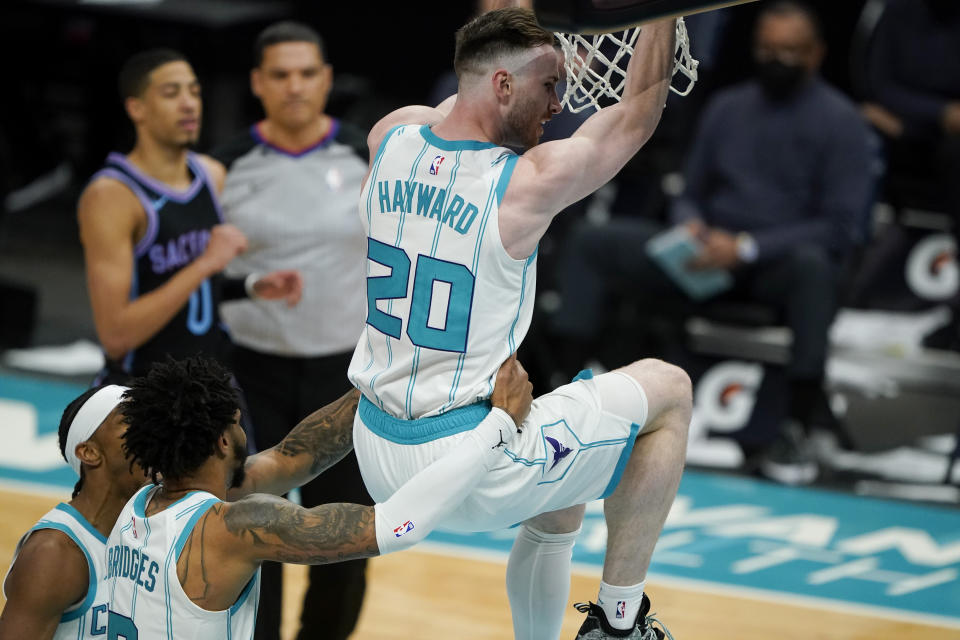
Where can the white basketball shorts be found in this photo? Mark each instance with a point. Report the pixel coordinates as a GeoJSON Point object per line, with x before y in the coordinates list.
{"type": "Point", "coordinates": [570, 451]}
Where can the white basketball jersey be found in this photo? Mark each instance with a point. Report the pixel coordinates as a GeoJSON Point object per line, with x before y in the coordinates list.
{"type": "Point", "coordinates": [446, 304]}
{"type": "Point", "coordinates": [88, 619]}
{"type": "Point", "coordinates": [146, 598]}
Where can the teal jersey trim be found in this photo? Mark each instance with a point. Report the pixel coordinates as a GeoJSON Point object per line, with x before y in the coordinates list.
{"type": "Point", "coordinates": [76, 515]}
{"type": "Point", "coordinates": [245, 593]}
{"type": "Point", "coordinates": [423, 429]}
{"type": "Point", "coordinates": [188, 528]}
{"type": "Point", "coordinates": [622, 461]}
{"type": "Point", "coordinates": [585, 374]}
{"type": "Point", "coordinates": [511, 341]}
{"type": "Point", "coordinates": [140, 502]}
{"type": "Point", "coordinates": [383, 145]}
{"type": "Point", "coordinates": [372, 180]}
{"type": "Point", "coordinates": [453, 145]}
{"type": "Point", "coordinates": [504, 181]}
{"type": "Point", "coordinates": [84, 606]}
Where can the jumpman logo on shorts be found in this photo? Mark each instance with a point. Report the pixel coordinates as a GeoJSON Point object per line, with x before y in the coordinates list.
{"type": "Point", "coordinates": [559, 451]}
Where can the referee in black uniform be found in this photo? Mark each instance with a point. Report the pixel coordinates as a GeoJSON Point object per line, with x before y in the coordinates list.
{"type": "Point", "coordinates": [292, 187]}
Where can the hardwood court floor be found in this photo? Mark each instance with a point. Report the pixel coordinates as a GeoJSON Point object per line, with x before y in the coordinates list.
{"type": "Point", "coordinates": [428, 595]}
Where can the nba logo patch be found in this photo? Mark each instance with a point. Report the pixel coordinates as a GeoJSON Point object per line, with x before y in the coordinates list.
{"type": "Point", "coordinates": [621, 609]}
{"type": "Point", "coordinates": [435, 165]}
{"type": "Point", "coordinates": [404, 528]}
{"type": "Point", "coordinates": [133, 526]}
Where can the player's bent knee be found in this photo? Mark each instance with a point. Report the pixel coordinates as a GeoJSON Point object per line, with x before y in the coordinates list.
{"type": "Point", "coordinates": [668, 387]}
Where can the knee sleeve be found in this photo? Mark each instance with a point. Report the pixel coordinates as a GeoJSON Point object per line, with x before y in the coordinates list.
{"type": "Point", "coordinates": [538, 582]}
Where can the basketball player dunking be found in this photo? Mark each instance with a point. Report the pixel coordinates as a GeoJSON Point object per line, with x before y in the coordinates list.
{"type": "Point", "coordinates": [453, 220]}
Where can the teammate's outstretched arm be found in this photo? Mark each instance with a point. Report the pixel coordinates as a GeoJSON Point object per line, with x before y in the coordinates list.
{"type": "Point", "coordinates": [551, 176]}
{"type": "Point", "coordinates": [317, 443]}
{"type": "Point", "coordinates": [242, 534]}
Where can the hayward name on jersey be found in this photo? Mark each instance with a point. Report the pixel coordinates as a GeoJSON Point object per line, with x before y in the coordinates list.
{"type": "Point", "coordinates": [446, 304]}
{"type": "Point", "coordinates": [145, 595]}
{"type": "Point", "coordinates": [87, 619]}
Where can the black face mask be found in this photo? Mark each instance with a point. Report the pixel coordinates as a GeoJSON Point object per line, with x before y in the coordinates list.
{"type": "Point", "coordinates": [779, 80]}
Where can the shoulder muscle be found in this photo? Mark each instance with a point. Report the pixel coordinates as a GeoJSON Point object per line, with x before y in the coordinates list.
{"type": "Point", "coordinates": [108, 210]}
{"type": "Point", "coordinates": [50, 575]}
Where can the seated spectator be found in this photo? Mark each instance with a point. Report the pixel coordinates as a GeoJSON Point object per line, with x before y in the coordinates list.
{"type": "Point", "coordinates": [778, 181]}
{"type": "Point", "coordinates": [914, 79]}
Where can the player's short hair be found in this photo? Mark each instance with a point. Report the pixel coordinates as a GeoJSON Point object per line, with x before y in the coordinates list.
{"type": "Point", "coordinates": [135, 74]}
{"type": "Point", "coordinates": [286, 31]}
{"type": "Point", "coordinates": [494, 34]}
{"type": "Point", "coordinates": [781, 8]}
{"type": "Point", "coordinates": [69, 414]}
{"type": "Point", "coordinates": [175, 414]}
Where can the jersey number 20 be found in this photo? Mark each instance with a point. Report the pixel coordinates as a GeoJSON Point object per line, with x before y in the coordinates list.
{"type": "Point", "coordinates": [452, 336]}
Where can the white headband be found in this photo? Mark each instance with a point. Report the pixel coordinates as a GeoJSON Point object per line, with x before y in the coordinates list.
{"type": "Point", "coordinates": [91, 415]}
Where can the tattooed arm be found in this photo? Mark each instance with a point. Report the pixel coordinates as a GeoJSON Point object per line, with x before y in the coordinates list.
{"type": "Point", "coordinates": [261, 527]}
{"type": "Point", "coordinates": [232, 539]}
{"type": "Point", "coordinates": [320, 440]}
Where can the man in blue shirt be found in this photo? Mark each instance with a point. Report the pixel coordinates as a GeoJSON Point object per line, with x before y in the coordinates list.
{"type": "Point", "coordinates": [778, 183]}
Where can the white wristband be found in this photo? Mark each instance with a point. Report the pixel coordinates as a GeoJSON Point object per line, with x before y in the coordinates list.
{"type": "Point", "coordinates": [248, 283]}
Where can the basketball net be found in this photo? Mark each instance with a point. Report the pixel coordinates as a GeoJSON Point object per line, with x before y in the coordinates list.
{"type": "Point", "coordinates": [597, 65]}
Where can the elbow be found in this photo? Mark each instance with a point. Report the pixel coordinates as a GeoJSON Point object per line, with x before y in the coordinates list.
{"type": "Point", "coordinates": [116, 344]}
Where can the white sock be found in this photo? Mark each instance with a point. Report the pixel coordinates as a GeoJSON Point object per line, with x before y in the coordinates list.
{"type": "Point", "coordinates": [538, 582]}
{"type": "Point", "coordinates": [621, 604]}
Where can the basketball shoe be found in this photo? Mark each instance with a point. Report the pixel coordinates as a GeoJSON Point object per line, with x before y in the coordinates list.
{"type": "Point", "coordinates": [596, 627]}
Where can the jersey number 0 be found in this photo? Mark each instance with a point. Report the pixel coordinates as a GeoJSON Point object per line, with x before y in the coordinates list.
{"type": "Point", "coordinates": [452, 335]}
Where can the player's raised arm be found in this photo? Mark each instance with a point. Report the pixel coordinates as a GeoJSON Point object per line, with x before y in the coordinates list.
{"type": "Point", "coordinates": [317, 443]}
{"type": "Point", "coordinates": [551, 176]}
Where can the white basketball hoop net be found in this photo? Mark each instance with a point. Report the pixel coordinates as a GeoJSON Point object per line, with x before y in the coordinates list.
{"type": "Point", "coordinates": [597, 65]}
